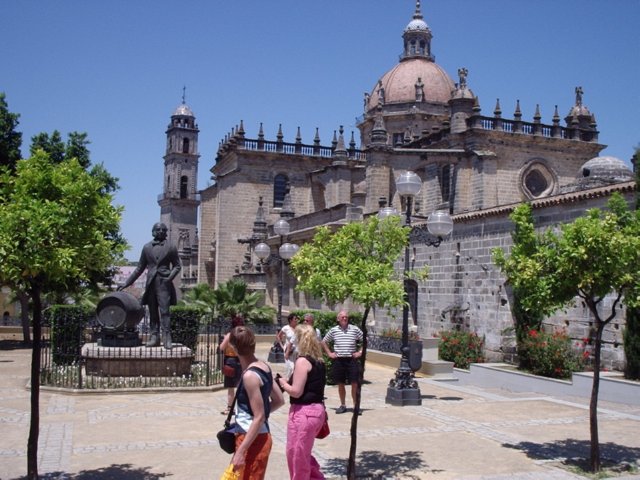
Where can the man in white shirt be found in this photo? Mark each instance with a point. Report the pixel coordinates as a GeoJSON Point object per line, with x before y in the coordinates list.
{"type": "Point", "coordinates": [347, 349]}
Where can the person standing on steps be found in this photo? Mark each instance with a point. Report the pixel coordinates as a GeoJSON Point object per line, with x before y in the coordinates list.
{"type": "Point", "coordinates": [345, 339]}
{"type": "Point", "coordinates": [162, 263]}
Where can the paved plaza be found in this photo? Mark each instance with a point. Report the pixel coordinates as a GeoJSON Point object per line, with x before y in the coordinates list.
{"type": "Point", "coordinates": [457, 433]}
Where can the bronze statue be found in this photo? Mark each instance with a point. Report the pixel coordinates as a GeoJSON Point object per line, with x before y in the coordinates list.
{"type": "Point", "coordinates": [163, 264]}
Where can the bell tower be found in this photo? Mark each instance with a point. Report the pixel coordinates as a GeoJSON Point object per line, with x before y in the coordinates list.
{"type": "Point", "coordinates": [179, 200]}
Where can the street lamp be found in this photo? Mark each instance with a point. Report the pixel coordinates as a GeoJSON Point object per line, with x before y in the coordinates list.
{"type": "Point", "coordinates": [403, 388]}
{"type": "Point", "coordinates": [285, 252]}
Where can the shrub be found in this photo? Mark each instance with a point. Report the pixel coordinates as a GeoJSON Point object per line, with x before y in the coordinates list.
{"type": "Point", "coordinates": [632, 344]}
{"type": "Point", "coordinates": [461, 348]}
{"type": "Point", "coordinates": [549, 354]}
{"type": "Point", "coordinates": [185, 325]}
{"type": "Point", "coordinates": [67, 331]}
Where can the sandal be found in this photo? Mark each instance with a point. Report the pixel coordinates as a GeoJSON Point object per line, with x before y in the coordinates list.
{"type": "Point", "coordinates": [226, 412]}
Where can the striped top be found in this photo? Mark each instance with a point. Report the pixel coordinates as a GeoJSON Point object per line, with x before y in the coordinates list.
{"type": "Point", "coordinates": [344, 341]}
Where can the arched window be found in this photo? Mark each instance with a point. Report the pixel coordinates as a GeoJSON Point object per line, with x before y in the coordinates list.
{"type": "Point", "coordinates": [185, 145]}
{"type": "Point", "coordinates": [184, 184]}
{"type": "Point", "coordinates": [280, 189]}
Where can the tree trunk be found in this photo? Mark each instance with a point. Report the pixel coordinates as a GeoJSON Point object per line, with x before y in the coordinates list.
{"type": "Point", "coordinates": [351, 465]}
{"type": "Point", "coordinates": [593, 406]}
{"type": "Point", "coordinates": [24, 317]}
{"type": "Point", "coordinates": [34, 427]}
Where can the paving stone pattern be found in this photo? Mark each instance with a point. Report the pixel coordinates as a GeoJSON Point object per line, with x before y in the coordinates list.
{"type": "Point", "coordinates": [459, 432]}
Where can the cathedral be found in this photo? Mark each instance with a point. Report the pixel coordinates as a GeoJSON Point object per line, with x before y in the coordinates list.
{"type": "Point", "coordinates": [473, 164]}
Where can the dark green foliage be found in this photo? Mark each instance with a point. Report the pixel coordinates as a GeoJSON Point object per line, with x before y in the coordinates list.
{"type": "Point", "coordinates": [67, 323]}
{"type": "Point", "coordinates": [461, 348]}
{"type": "Point", "coordinates": [632, 344]}
{"type": "Point", "coordinates": [75, 147]}
{"type": "Point", "coordinates": [10, 140]}
{"type": "Point", "coordinates": [185, 325]}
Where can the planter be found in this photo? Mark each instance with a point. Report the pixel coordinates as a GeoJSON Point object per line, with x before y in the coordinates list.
{"type": "Point", "coordinates": [394, 345]}
{"type": "Point", "coordinates": [613, 388]}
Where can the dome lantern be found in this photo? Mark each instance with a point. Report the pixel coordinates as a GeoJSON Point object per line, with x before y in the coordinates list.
{"type": "Point", "coordinates": [417, 38]}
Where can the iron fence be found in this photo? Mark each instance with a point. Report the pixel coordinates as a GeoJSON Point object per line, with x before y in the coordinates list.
{"type": "Point", "coordinates": [81, 362]}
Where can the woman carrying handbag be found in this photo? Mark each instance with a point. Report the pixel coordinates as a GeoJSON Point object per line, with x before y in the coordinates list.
{"type": "Point", "coordinates": [255, 400]}
{"type": "Point", "coordinates": [307, 414]}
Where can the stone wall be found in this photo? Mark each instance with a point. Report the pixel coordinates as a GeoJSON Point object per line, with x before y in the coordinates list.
{"type": "Point", "coordinates": [465, 290]}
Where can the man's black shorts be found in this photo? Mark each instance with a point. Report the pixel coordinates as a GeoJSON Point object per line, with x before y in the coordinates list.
{"type": "Point", "coordinates": [345, 370]}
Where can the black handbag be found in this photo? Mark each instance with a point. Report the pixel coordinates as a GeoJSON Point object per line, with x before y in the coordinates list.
{"type": "Point", "coordinates": [227, 436]}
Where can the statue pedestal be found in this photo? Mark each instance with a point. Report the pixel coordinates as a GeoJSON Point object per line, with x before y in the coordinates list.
{"type": "Point", "coordinates": [137, 361]}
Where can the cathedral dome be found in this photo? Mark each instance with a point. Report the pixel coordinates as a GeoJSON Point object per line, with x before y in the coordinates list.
{"type": "Point", "coordinates": [399, 83]}
{"type": "Point", "coordinates": [183, 110]}
{"type": "Point", "coordinates": [611, 169]}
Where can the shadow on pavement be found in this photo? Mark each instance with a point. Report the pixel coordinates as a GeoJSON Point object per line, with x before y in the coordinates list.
{"type": "Point", "coordinates": [374, 464]}
{"type": "Point", "coordinates": [112, 472]}
{"type": "Point", "coordinates": [576, 453]}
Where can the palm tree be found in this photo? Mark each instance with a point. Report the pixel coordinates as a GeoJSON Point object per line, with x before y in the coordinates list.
{"type": "Point", "coordinates": [234, 298]}
{"type": "Point", "coordinates": [202, 296]}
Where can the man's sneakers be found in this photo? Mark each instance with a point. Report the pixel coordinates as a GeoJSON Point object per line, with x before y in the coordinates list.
{"type": "Point", "coordinates": [343, 409]}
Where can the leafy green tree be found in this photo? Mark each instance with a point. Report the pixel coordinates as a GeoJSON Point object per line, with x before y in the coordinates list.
{"type": "Point", "coordinates": [76, 147]}
{"type": "Point", "coordinates": [525, 272]}
{"type": "Point", "coordinates": [632, 324]}
{"type": "Point", "coordinates": [355, 263]}
{"type": "Point", "coordinates": [596, 256]}
{"type": "Point", "coordinates": [50, 144]}
{"type": "Point", "coordinates": [54, 237]}
{"type": "Point", "coordinates": [10, 140]}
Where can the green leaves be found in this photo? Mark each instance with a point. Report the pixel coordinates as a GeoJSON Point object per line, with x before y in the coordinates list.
{"type": "Point", "coordinates": [230, 299]}
{"type": "Point", "coordinates": [55, 221]}
{"type": "Point", "coordinates": [356, 262]}
{"type": "Point", "coordinates": [597, 254]}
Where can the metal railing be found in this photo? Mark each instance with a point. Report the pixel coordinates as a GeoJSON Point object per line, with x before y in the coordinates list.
{"type": "Point", "coordinates": [82, 363]}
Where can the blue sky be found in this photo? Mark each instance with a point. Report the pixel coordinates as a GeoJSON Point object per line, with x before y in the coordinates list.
{"type": "Point", "coordinates": [115, 69]}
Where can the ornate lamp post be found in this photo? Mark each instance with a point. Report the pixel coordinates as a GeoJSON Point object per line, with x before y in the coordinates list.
{"type": "Point", "coordinates": [285, 252]}
{"type": "Point", "coordinates": [403, 388]}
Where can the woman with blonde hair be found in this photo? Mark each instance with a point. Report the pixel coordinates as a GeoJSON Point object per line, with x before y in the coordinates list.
{"type": "Point", "coordinates": [307, 412]}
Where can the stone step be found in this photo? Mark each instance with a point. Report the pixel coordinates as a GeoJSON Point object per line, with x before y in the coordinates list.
{"type": "Point", "coordinates": [438, 369]}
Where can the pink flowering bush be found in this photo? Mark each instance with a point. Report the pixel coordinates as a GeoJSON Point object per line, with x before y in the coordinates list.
{"type": "Point", "coordinates": [549, 354]}
{"type": "Point", "coordinates": [461, 348]}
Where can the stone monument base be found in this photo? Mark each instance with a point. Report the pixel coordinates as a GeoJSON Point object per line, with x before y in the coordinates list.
{"type": "Point", "coordinates": [137, 361]}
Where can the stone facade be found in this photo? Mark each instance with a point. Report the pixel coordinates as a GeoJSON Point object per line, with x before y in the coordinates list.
{"type": "Point", "coordinates": [465, 290]}
{"type": "Point", "coordinates": [474, 166]}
